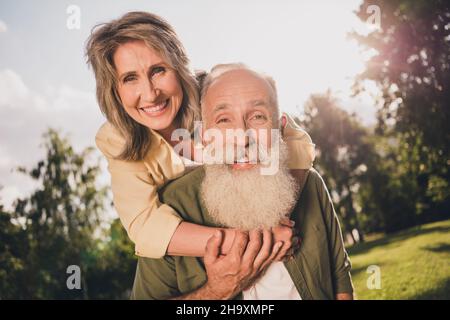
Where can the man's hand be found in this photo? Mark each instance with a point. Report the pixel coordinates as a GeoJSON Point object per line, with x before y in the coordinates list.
{"type": "Point", "coordinates": [249, 256]}
{"type": "Point", "coordinates": [344, 296]}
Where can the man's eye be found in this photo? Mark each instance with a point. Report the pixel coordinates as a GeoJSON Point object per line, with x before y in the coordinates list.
{"type": "Point", "coordinates": [223, 120]}
{"type": "Point", "coordinates": [259, 117]}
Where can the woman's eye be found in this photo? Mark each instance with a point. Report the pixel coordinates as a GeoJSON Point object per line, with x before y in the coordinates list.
{"type": "Point", "coordinates": [129, 78]}
{"type": "Point", "coordinates": [157, 70]}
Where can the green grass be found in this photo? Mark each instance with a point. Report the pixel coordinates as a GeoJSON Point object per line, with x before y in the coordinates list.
{"type": "Point", "coordinates": [414, 264]}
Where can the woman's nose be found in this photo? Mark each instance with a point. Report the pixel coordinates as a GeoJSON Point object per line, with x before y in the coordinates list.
{"type": "Point", "coordinates": [148, 91]}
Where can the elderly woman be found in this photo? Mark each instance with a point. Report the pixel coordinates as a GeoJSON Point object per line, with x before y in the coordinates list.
{"type": "Point", "coordinates": [146, 90]}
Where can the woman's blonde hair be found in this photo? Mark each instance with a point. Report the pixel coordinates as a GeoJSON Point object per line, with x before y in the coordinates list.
{"type": "Point", "coordinates": [158, 35]}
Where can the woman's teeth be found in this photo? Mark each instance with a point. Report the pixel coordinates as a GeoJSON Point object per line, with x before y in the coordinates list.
{"type": "Point", "coordinates": [156, 108]}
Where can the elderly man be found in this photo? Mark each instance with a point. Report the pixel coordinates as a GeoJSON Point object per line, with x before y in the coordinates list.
{"type": "Point", "coordinates": [237, 195]}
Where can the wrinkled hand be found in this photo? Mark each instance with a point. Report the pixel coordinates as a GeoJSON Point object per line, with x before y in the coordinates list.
{"type": "Point", "coordinates": [250, 254]}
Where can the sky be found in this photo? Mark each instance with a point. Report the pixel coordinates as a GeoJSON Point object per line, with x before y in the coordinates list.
{"type": "Point", "coordinates": [45, 82]}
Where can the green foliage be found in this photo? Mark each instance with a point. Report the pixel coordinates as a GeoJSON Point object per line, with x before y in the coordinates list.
{"type": "Point", "coordinates": [344, 154]}
{"type": "Point", "coordinates": [396, 176]}
{"type": "Point", "coordinates": [411, 68]}
{"type": "Point", "coordinates": [113, 274]}
{"type": "Point", "coordinates": [56, 226]}
{"type": "Point", "coordinates": [378, 182]}
{"type": "Point", "coordinates": [13, 247]}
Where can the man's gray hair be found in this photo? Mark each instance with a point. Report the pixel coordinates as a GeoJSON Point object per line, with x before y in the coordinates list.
{"type": "Point", "coordinates": [220, 69]}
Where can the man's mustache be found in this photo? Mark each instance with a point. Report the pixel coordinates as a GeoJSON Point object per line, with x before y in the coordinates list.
{"type": "Point", "coordinates": [253, 153]}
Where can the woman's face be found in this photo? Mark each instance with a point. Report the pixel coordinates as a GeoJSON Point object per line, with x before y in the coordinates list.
{"type": "Point", "coordinates": [149, 89]}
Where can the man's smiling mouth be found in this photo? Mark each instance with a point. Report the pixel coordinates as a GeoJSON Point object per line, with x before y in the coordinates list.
{"type": "Point", "coordinates": [242, 160]}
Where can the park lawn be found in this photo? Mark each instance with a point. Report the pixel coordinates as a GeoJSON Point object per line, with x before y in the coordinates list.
{"type": "Point", "coordinates": [414, 264]}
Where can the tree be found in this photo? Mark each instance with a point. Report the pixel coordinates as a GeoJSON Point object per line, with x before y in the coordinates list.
{"type": "Point", "coordinates": [115, 267]}
{"type": "Point", "coordinates": [60, 218]}
{"type": "Point", "coordinates": [60, 224]}
{"type": "Point", "coordinates": [13, 246]}
{"type": "Point", "coordinates": [344, 154]}
{"type": "Point", "coordinates": [411, 67]}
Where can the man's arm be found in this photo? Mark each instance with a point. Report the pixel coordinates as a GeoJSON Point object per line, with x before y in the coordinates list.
{"type": "Point", "coordinates": [203, 293]}
{"type": "Point", "coordinates": [340, 262]}
{"type": "Point", "coordinates": [155, 279]}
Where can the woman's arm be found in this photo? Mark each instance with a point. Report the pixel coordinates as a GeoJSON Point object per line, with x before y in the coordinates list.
{"type": "Point", "coordinates": [155, 228]}
{"type": "Point", "coordinates": [149, 223]}
{"type": "Point", "coordinates": [190, 239]}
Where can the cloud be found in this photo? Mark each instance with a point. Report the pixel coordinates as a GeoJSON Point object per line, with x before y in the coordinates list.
{"type": "Point", "coordinates": [26, 114]}
{"type": "Point", "coordinates": [13, 89]}
{"type": "Point", "coordinates": [3, 27]}
{"type": "Point", "coordinates": [9, 194]}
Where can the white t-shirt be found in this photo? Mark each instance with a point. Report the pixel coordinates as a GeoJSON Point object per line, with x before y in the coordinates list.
{"type": "Point", "coordinates": [190, 164]}
{"type": "Point", "coordinates": [274, 284]}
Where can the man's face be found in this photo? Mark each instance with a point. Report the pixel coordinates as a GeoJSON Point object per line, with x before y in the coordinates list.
{"type": "Point", "coordinates": [241, 100]}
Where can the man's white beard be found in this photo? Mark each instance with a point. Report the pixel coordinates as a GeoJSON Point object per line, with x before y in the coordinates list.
{"type": "Point", "coordinates": [246, 199]}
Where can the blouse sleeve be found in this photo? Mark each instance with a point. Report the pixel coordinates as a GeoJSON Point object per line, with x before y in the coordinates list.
{"type": "Point", "coordinates": [301, 149]}
{"type": "Point", "coordinates": [149, 223]}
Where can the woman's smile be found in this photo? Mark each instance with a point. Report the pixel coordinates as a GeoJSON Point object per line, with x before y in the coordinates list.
{"type": "Point", "coordinates": [155, 110]}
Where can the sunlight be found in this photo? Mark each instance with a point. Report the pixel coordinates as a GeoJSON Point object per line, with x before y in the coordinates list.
{"type": "Point", "coordinates": [304, 46]}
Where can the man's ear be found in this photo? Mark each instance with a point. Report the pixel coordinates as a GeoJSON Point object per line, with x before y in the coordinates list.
{"type": "Point", "coordinates": [202, 136]}
{"type": "Point", "coordinates": [283, 121]}
{"type": "Point", "coordinates": [282, 124]}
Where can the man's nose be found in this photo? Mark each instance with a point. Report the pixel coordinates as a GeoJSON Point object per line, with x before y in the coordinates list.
{"type": "Point", "coordinates": [242, 136]}
{"type": "Point", "coordinates": [241, 124]}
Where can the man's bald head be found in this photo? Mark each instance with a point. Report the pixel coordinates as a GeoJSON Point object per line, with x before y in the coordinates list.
{"type": "Point", "coordinates": [237, 87]}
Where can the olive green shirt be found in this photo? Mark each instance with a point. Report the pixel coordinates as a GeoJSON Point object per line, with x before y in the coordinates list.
{"type": "Point", "coordinates": [320, 268]}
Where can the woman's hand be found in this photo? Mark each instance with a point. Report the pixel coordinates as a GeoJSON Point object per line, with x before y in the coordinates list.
{"type": "Point", "coordinates": [287, 234]}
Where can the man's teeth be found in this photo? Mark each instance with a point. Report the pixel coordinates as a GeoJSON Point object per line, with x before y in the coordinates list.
{"type": "Point", "coordinates": [157, 108]}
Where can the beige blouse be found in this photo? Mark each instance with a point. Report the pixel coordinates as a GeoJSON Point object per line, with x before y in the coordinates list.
{"type": "Point", "coordinates": [149, 223]}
